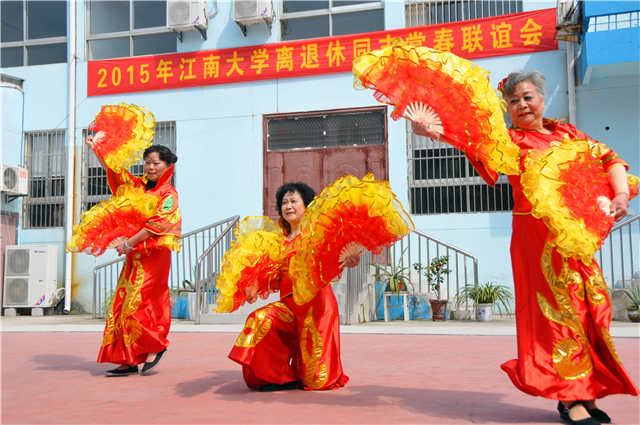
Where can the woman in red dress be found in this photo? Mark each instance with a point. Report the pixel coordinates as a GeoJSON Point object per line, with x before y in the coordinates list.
{"type": "Point", "coordinates": [563, 308]}
{"type": "Point", "coordinates": [140, 315]}
{"type": "Point", "coordinates": [283, 345]}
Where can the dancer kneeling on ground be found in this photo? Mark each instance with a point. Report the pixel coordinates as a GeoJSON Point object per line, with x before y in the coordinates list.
{"type": "Point", "coordinates": [275, 345]}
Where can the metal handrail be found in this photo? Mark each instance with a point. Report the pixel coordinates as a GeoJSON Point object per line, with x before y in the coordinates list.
{"type": "Point", "coordinates": [617, 232]}
{"type": "Point", "coordinates": [356, 277]}
{"type": "Point", "coordinates": [96, 277]}
{"type": "Point", "coordinates": [181, 262]}
{"type": "Point", "coordinates": [213, 271]}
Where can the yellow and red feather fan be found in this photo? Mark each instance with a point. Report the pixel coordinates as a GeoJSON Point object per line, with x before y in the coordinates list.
{"type": "Point", "coordinates": [127, 130]}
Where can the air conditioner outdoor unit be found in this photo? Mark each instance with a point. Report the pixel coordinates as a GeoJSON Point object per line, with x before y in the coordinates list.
{"type": "Point", "coordinates": [30, 275]}
{"type": "Point", "coordinates": [251, 12]}
{"type": "Point", "coordinates": [14, 180]}
{"type": "Point", "coordinates": [183, 15]}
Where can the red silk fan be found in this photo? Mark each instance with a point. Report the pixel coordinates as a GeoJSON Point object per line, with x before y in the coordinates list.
{"type": "Point", "coordinates": [348, 217]}
{"type": "Point", "coordinates": [111, 221]}
{"type": "Point", "coordinates": [462, 105]}
{"type": "Point", "coordinates": [123, 133]}
{"type": "Point", "coordinates": [570, 190]}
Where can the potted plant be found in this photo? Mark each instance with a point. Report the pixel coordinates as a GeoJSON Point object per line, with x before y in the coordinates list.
{"type": "Point", "coordinates": [634, 298]}
{"type": "Point", "coordinates": [394, 277]}
{"type": "Point", "coordinates": [484, 296]}
{"type": "Point", "coordinates": [435, 273]}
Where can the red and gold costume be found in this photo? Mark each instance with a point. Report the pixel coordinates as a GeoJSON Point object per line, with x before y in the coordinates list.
{"type": "Point", "coordinates": [283, 342]}
{"type": "Point", "coordinates": [140, 315]}
{"type": "Point", "coordinates": [298, 338]}
{"type": "Point", "coordinates": [563, 308]}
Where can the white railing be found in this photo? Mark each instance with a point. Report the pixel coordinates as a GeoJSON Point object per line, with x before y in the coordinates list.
{"type": "Point", "coordinates": [208, 266]}
{"type": "Point", "coordinates": [194, 245]}
{"type": "Point", "coordinates": [420, 248]}
{"type": "Point", "coordinates": [619, 257]}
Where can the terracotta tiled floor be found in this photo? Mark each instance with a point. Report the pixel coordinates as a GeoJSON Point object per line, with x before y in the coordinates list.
{"type": "Point", "coordinates": [52, 377]}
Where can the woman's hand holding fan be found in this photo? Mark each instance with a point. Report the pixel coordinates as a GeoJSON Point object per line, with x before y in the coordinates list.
{"type": "Point", "coordinates": [426, 121]}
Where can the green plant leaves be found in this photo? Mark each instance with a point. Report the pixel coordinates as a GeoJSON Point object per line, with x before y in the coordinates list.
{"type": "Point", "coordinates": [487, 293]}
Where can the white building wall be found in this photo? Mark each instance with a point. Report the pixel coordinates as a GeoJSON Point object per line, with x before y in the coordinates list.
{"type": "Point", "coordinates": [220, 140]}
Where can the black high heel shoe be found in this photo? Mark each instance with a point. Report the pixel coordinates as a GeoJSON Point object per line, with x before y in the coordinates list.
{"type": "Point", "coordinates": [599, 415]}
{"type": "Point", "coordinates": [564, 415]}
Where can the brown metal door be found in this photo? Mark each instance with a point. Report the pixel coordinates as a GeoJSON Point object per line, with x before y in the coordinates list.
{"type": "Point", "coordinates": [290, 166]}
{"type": "Point", "coordinates": [356, 161]}
{"type": "Point", "coordinates": [273, 180]}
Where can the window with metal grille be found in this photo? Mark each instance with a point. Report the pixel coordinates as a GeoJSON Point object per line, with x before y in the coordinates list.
{"type": "Point", "coordinates": [442, 181]}
{"type": "Point", "coordinates": [122, 28]}
{"type": "Point", "coordinates": [303, 19]}
{"type": "Point", "coordinates": [32, 33]}
{"type": "Point", "coordinates": [46, 161]}
{"type": "Point", "coordinates": [95, 188]}
{"type": "Point", "coordinates": [425, 12]}
{"type": "Point", "coordinates": [326, 130]}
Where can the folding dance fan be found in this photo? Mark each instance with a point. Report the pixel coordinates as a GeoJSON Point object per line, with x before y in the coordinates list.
{"type": "Point", "coordinates": [462, 105]}
{"type": "Point", "coordinates": [123, 132]}
{"type": "Point", "coordinates": [348, 217]}
{"type": "Point", "coordinates": [252, 265]}
{"type": "Point", "coordinates": [569, 189]}
{"type": "Point", "coordinates": [107, 223]}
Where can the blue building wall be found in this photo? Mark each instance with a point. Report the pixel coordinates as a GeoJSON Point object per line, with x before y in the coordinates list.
{"type": "Point", "coordinates": [220, 140]}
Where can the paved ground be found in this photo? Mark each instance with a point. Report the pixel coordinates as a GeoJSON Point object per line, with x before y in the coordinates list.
{"type": "Point", "coordinates": [401, 373]}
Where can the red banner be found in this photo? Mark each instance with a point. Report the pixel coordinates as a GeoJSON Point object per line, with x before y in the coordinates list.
{"type": "Point", "coordinates": [479, 38]}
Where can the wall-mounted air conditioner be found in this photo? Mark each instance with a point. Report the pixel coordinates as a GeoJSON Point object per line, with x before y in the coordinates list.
{"type": "Point", "coordinates": [14, 179]}
{"type": "Point", "coordinates": [30, 275]}
{"type": "Point", "coordinates": [183, 15]}
{"type": "Point", "coordinates": [251, 12]}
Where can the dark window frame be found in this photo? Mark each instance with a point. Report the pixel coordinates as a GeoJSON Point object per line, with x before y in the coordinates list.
{"type": "Point", "coordinates": [26, 43]}
{"type": "Point", "coordinates": [129, 35]}
{"type": "Point", "coordinates": [44, 205]}
{"type": "Point", "coordinates": [330, 12]}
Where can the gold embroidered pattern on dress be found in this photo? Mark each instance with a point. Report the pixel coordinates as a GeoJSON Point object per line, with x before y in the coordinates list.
{"type": "Point", "coordinates": [609, 341]}
{"type": "Point", "coordinates": [311, 361]}
{"type": "Point", "coordinates": [565, 316]}
{"type": "Point", "coordinates": [258, 325]}
{"type": "Point", "coordinates": [597, 289]}
{"type": "Point", "coordinates": [125, 324]}
{"type": "Point", "coordinates": [574, 278]}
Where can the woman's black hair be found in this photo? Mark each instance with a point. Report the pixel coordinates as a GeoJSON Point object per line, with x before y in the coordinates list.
{"type": "Point", "coordinates": [163, 152]}
{"type": "Point", "coordinates": [303, 189]}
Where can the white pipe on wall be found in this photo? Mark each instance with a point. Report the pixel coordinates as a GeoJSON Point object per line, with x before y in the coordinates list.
{"type": "Point", "coordinates": [71, 145]}
{"type": "Point", "coordinates": [571, 83]}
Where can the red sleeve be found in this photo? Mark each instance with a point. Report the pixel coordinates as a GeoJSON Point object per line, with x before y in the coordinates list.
{"type": "Point", "coordinates": [488, 175]}
{"type": "Point", "coordinates": [607, 155]}
{"type": "Point", "coordinates": [167, 221]}
{"type": "Point", "coordinates": [114, 179]}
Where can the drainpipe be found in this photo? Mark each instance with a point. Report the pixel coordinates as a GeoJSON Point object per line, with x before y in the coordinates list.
{"type": "Point", "coordinates": [571, 83]}
{"type": "Point", "coordinates": [71, 142]}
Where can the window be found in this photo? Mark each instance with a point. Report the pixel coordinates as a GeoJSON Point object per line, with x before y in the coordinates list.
{"type": "Point", "coordinates": [326, 131]}
{"type": "Point", "coordinates": [46, 161]}
{"type": "Point", "coordinates": [421, 12]}
{"type": "Point", "coordinates": [33, 33]}
{"type": "Point", "coordinates": [123, 28]}
{"type": "Point", "coordinates": [311, 19]}
{"type": "Point", "coordinates": [442, 181]}
{"type": "Point", "coordinates": [94, 178]}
